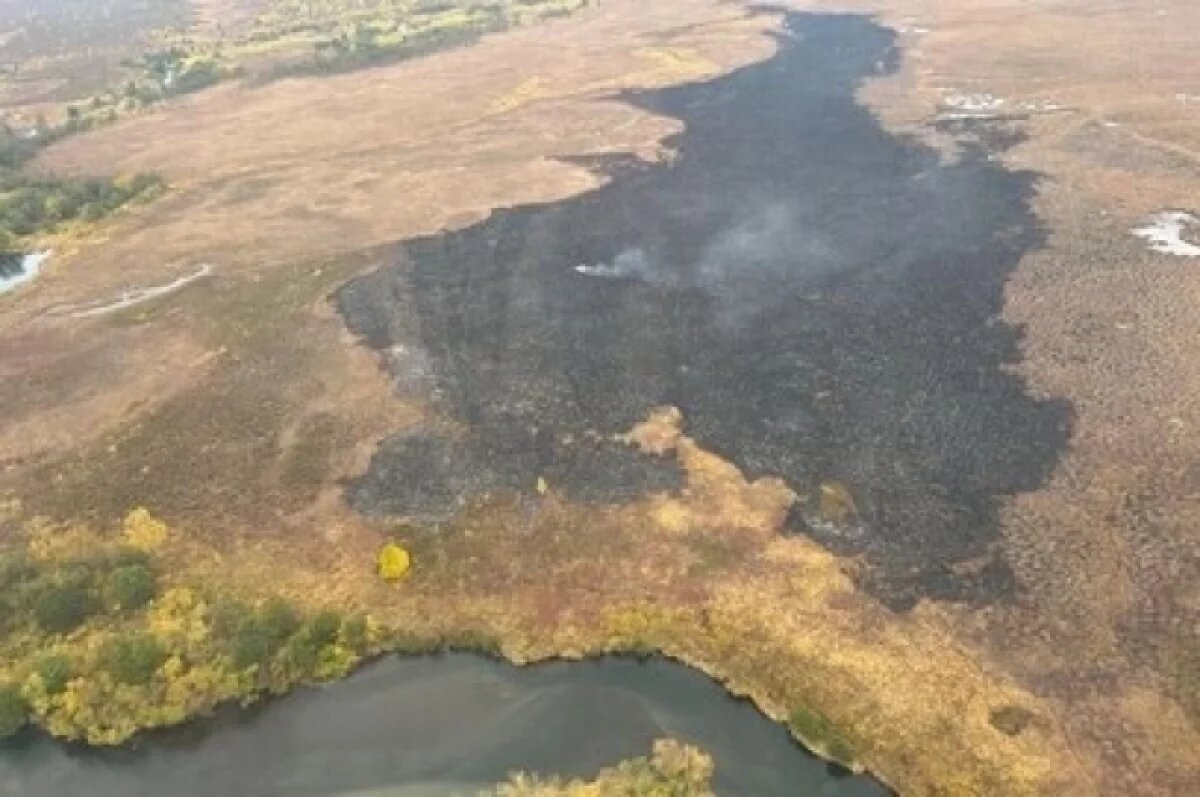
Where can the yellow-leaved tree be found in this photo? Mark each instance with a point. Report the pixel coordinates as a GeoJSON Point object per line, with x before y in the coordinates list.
{"type": "Point", "coordinates": [143, 531]}
{"type": "Point", "coordinates": [393, 562]}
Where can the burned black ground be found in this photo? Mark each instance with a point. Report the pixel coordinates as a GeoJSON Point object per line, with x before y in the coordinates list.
{"type": "Point", "coordinates": [820, 297]}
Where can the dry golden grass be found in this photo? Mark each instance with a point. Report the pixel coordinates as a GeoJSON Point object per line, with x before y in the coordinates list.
{"type": "Point", "coordinates": [777, 618]}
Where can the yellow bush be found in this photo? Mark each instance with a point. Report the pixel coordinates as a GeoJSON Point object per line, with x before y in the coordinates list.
{"type": "Point", "coordinates": [335, 661]}
{"type": "Point", "coordinates": [393, 562]}
{"type": "Point", "coordinates": [144, 531]}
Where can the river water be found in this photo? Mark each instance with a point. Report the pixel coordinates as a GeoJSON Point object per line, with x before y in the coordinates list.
{"type": "Point", "coordinates": [439, 726]}
{"type": "Point", "coordinates": [16, 270]}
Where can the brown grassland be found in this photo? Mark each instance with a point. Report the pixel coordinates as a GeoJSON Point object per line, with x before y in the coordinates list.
{"type": "Point", "coordinates": [236, 408]}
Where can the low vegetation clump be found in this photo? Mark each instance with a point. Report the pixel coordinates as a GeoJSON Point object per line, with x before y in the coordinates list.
{"type": "Point", "coordinates": [335, 35]}
{"type": "Point", "coordinates": [13, 711]}
{"type": "Point", "coordinates": [130, 587]}
{"type": "Point", "coordinates": [59, 608]}
{"type": "Point", "coordinates": [673, 770]}
{"type": "Point", "coordinates": [132, 658]}
{"type": "Point", "coordinates": [95, 647]}
{"type": "Point", "coordinates": [32, 205]}
{"type": "Point", "coordinates": [287, 37]}
{"type": "Point", "coordinates": [55, 670]}
{"type": "Point", "coordinates": [143, 531]}
{"type": "Point", "coordinates": [819, 733]}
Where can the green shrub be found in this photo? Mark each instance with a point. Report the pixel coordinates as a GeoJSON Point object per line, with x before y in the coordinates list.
{"type": "Point", "coordinates": [195, 76]}
{"type": "Point", "coordinates": [303, 651]}
{"type": "Point", "coordinates": [472, 641]}
{"type": "Point", "coordinates": [251, 644]}
{"type": "Point", "coordinates": [124, 555]}
{"type": "Point", "coordinates": [302, 655]}
{"type": "Point", "coordinates": [132, 658]}
{"type": "Point", "coordinates": [55, 671]}
{"type": "Point", "coordinates": [280, 620]}
{"type": "Point", "coordinates": [13, 711]}
{"type": "Point", "coordinates": [257, 637]}
{"type": "Point", "coordinates": [323, 629]}
{"type": "Point", "coordinates": [354, 634]}
{"type": "Point", "coordinates": [15, 569]}
{"type": "Point", "coordinates": [130, 587]}
{"type": "Point", "coordinates": [30, 204]}
{"type": "Point", "coordinates": [62, 607]}
{"type": "Point", "coordinates": [815, 729]}
{"type": "Point", "coordinates": [225, 617]}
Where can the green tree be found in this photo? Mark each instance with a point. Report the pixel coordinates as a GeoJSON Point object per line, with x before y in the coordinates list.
{"type": "Point", "coordinates": [132, 658]}
{"type": "Point", "coordinates": [16, 569]}
{"type": "Point", "coordinates": [323, 629]}
{"type": "Point", "coordinates": [13, 711]}
{"type": "Point", "coordinates": [302, 654]}
{"type": "Point", "coordinates": [354, 633]}
{"type": "Point", "coordinates": [62, 607]}
{"type": "Point", "coordinates": [55, 671]}
{"type": "Point", "coordinates": [264, 632]}
{"type": "Point", "coordinates": [225, 616]}
{"type": "Point", "coordinates": [130, 587]}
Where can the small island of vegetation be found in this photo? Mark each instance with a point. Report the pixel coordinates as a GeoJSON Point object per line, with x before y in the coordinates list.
{"type": "Point", "coordinates": [672, 770]}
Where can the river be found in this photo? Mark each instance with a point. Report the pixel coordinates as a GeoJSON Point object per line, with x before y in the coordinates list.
{"type": "Point", "coordinates": [16, 270]}
{"type": "Point", "coordinates": [438, 726]}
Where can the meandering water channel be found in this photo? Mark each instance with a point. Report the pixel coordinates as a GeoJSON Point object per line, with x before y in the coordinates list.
{"type": "Point", "coordinates": [439, 726]}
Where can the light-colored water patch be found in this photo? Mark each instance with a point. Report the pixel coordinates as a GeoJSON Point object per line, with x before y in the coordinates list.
{"type": "Point", "coordinates": [1169, 232]}
{"type": "Point", "coordinates": [972, 103]}
{"type": "Point", "coordinates": [133, 296]}
{"type": "Point", "coordinates": [21, 271]}
{"type": "Point", "coordinates": [1042, 106]}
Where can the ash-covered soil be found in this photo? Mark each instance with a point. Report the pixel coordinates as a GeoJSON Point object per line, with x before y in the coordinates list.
{"type": "Point", "coordinates": [820, 298]}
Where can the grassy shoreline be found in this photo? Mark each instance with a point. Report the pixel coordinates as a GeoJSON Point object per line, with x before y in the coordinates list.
{"type": "Point", "coordinates": [101, 645]}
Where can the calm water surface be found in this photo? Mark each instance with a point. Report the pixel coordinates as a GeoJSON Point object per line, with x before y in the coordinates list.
{"type": "Point", "coordinates": [439, 726]}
